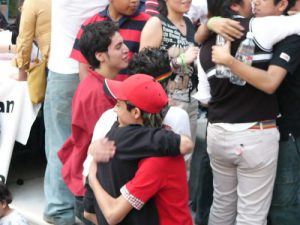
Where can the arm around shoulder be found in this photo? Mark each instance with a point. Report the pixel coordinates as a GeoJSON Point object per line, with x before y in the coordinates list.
{"type": "Point", "coordinates": [186, 144]}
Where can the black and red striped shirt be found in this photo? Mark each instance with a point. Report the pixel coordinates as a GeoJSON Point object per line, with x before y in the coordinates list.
{"type": "Point", "coordinates": [151, 7]}
{"type": "Point", "coordinates": [130, 28]}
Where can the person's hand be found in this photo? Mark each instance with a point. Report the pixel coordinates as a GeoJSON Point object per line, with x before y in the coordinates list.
{"type": "Point", "coordinates": [228, 28]}
{"type": "Point", "coordinates": [191, 54]}
{"type": "Point", "coordinates": [221, 54]}
{"type": "Point", "coordinates": [102, 150]}
{"type": "Point", "coordinates": [21, 76]}
{"type": "Point", "coordinates": [92, 173]}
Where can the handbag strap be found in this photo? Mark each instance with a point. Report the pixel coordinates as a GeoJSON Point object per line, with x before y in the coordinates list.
{"type": "Point", "coordinates": [39, 51]}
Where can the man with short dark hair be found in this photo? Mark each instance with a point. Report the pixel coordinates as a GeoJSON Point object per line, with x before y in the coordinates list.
{"type": "Point", "coordinates": [62, 80]}
{"type": "Point", "coordinates": [168, 185]}
{"type": "Point", "coordinates": [242, 138]}
{"type": "Point", "coordinates": [103, 47]}
{"type": "Point", "coordinates": [282, 76]}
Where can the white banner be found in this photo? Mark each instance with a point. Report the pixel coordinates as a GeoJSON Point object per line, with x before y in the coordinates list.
{"type": "Point", "coordinates": [17, 114]}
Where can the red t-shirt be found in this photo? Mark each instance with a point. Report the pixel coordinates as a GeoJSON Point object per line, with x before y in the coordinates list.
{"type": "Point", "coordinates": [88, 104]}
{"type": "Point", "coordinates": [165, 179]}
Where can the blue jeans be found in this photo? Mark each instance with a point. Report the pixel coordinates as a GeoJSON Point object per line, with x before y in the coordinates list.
{"type": "Point", "coordinates": [285, 208]}
{"type": "Point", "coordinates": [57, 117]}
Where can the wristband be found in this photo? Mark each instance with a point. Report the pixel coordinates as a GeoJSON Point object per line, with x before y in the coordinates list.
{"type": "Point", "coordinates": [210, 21]}
{"type": "Point", "coordinates": [183, 62]}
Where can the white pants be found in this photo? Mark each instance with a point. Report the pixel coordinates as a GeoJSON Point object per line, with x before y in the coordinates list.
{"type": "Point", "coordinates": [244, 167]}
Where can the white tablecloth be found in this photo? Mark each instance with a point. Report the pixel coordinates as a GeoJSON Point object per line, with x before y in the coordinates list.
{"type": "Point", "coordinates": [17, 114]}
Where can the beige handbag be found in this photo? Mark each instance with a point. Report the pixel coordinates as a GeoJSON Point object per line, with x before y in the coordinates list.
{"type": "Point", "coordinates": [36, 79]}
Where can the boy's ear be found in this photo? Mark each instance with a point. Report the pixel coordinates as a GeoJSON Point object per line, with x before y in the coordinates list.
{"type": "Point", "coordinates": [3, 204]}
{"type": "Point", "coordinates": [235, 7]}
{"type": "Point", "coordinates": [100, 56]}
{"type": "Point", "coordinates": [136, 113]}
{"type": "Point", "coordinates": [282, 5]}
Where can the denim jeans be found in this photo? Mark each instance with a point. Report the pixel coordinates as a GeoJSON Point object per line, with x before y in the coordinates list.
{"type": "Point", "coordinates": [285, 208]}
{"type": "Point", "coordinates": [57, 117]}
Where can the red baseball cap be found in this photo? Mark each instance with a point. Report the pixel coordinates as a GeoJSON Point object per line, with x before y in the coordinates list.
{"type": "Point", "coordinates": [141, 90]}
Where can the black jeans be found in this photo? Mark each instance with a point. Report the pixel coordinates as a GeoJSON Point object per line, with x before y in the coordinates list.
{"type": "Point", "coordinates": [285, 207]}
{"type": "Point", "coordinates": [79, 211]}
{"type": "Point", "coordinates": [201, 179]}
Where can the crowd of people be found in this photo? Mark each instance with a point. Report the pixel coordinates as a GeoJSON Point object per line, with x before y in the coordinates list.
{"type": "Point", "coordinates": [125, 82]}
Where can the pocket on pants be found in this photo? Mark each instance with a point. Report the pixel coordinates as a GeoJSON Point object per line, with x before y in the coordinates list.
{"type": "Point", "coordinates": [260, 147]}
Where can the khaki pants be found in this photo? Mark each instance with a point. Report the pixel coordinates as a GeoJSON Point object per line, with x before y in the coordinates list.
{"type": "Point", "coordinates": [244, 167]}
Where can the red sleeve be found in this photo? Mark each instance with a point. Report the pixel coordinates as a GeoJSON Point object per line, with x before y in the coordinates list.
{"type": "Point", "coordinates": [86, 110]}
{"type": "Point", "coordinates": [74, 151]}
{"type": "Point", "coordinates": [76, 53]}
{"type": "Point", "coordinates": [147, 181]}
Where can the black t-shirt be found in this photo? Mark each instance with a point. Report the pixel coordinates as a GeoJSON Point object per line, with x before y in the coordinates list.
{"type": "Point", "coordinates": [175, 42]}
{"type": "Point", "coordinates": [287, 55]}
{"type": "Point", "coordinates": [133, 143]}
{"type": "Point", "coordinates": [232, 103]}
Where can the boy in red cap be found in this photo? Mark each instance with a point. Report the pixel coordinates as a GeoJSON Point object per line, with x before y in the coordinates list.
{"type": "Point", "coordinates": [163, 178]}
{"type": "Point", "coordinates": [103, 46]}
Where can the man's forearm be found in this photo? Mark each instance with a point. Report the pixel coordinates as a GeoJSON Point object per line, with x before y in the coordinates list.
{"type": "Point", "coordinates": [267, 81]}
{"type": "Point", "coordinates": [113, 209]}
{"type": "Point", "coordinates": [186, 144]}
{"type": "Point", "coordinates": [151, 142]}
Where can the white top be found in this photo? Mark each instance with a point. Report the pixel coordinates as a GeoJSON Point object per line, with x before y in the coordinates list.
{"type": "Point", "coordinates": [5, 40]}
{"type": "Point", "coordinates": [278, 26]}
{"type": "Point", "coordinates": [261, 28]}
{"type": "Point", "coordinates": [67, 17]}
{"type": "Point", "coordinates": [5, 37]}
{"type": "Point", "coordinates": [198, 11]}
{"type": "Point", "coordinates": [13, 218]}
{"type": "Point", "coordinates": [176, 118]}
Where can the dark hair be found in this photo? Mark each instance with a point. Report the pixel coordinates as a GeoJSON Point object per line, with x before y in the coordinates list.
{"type": "Point", "coordinates": [5, 194]}
{"type": "Point", "coordinates": [149, 119]}
{"type": "Point", "coordinates": [162, 7]}
{"type": "Point", "coordinates": [221, 7]}
{"type": "Point", "coordinates": [152, 61]}
{"type": "Point", "coordinates": [96, 37]}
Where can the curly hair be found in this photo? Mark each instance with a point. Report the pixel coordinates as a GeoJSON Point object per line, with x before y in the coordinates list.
{"type": "Point", "coordinates": [96, 37]}
{"type": "Point", "coordinates": [151, 61]}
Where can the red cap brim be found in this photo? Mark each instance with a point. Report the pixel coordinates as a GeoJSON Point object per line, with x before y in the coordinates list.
{"type": "Point", "coordinates": [114, 88]}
